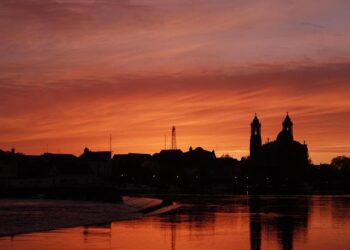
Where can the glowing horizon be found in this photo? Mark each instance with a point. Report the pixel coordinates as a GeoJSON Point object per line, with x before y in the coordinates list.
{"type": "Point", "coordinates": [73, 72]}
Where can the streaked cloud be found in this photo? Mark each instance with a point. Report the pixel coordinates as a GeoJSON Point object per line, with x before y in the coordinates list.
{"type": "Point", "coordinates": [71, 72]}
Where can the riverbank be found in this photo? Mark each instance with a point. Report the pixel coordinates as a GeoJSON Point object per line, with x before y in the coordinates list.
{"type": "Point", "coordinates": [18, 216]}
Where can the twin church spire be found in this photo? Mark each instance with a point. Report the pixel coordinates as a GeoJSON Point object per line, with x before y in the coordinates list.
{"type": "Point", "coordinates": [255, 138]}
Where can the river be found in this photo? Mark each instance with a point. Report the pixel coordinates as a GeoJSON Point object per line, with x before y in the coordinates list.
{"type": "Point", "coordinates": [207, 222]}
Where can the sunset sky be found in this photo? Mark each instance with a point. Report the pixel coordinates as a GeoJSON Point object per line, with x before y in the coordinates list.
{"type": "Point", "coordinates": [74, 71]}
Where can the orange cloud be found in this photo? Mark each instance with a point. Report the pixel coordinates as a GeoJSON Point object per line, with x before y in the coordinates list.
{"type": "Point", "coordinates": [209, 110]}
{"type": "Point", "coordinates": [71, 72]}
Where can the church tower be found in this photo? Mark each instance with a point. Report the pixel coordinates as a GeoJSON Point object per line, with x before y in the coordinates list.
{"type": "Point", "coordinates": [288, 125]}
{"type": "Point", "coordinates": [287, 130]}
{"type": "Point", "coordinates": [255, 137]}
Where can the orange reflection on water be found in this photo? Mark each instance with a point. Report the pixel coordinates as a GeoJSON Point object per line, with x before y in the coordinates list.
{"type": "Point", "coordinates": [228, 222]}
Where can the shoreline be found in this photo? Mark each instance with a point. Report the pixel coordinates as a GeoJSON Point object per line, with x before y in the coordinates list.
{"type": "Point", "coordinates": [21, 216]}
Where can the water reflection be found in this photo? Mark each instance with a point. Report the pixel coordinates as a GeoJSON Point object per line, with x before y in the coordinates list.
{"type": "Point", "coordinates": [281, 218]}
{"type": "Point", "coordinates": [285, 216]}
{"type": "Point", "coordinates": [226, 222]}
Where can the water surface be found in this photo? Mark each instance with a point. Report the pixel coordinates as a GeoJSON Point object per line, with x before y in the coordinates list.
{"type": "Point", "coordinates": [203, 223]}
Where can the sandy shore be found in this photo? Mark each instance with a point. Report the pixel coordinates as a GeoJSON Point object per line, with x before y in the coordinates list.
{"type": "Point", "coordinates": [26, 216]}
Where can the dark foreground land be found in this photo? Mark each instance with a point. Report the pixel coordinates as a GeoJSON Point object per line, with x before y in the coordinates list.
{"type": "Point", "coordinates": [18, 216]}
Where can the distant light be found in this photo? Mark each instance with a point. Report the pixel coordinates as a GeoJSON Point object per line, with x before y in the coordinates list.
{"type": "Point", "coordinates": [122, 175]}
{"type": "Point", "coordinates": [267, 178]}
{"type": "Point", "coordinates": [247, 177]}
{"type": "Point", "coordinates": [196, 176]}
{"type": "Point", "coordinates": [154, 176]}
{"type": "Point", "coordinates": [235, 177]}
{"type": "Point", "coordinates": [177, 177]}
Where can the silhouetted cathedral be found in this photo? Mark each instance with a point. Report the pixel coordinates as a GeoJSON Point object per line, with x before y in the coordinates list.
{"type": "Point", "coordinates": [283, 157]}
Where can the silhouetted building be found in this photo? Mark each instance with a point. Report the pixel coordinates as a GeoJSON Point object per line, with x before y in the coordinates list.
{"type": "Point", "coordinates": [169, 154]}
{"type": "Point", "coordinates": [50, 165]}
{"type": "Point", "coordinates": [283, 157]}
{"type": "Point", "coordinates": [63, 164]}
{"type": "Point", "coordinates": [131, 167]}
{"type": "Point", "coordinates": [8, 164]}
{"type": "Point", "coordinates": [200, 166]}
{"type": "Point", "coordinates": [98, 161]}
{"type": "Point", "coordinates": [96, 156]}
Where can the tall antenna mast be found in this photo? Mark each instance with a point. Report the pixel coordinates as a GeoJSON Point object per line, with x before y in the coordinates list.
{"type": "Point", "coordinates": [173, 138]}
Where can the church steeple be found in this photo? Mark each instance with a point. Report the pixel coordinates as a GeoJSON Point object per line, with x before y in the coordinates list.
{"type": "Point", "coordinates": [255, 137]}
{"type": "Point", "coordinates": [288, 125]}
{"type": "Point", "coordinates": [287, 130]}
